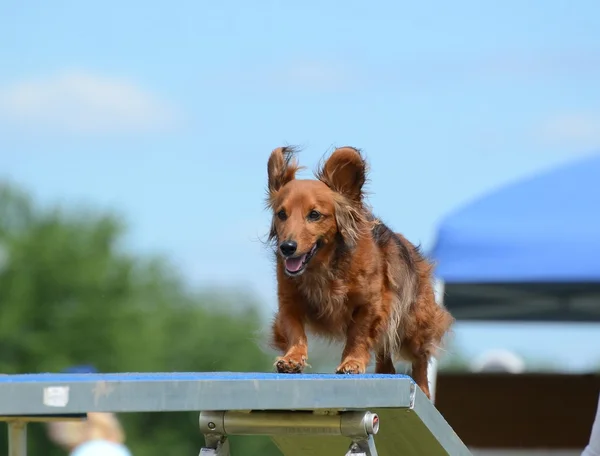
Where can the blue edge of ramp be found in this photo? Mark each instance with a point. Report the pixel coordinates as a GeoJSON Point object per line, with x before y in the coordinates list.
{"type": "Point", "coordinates": [186, 376]}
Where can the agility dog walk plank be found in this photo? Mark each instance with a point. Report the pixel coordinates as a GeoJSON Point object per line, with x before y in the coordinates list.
{"type": "Point", "coordinates": [305, 414]}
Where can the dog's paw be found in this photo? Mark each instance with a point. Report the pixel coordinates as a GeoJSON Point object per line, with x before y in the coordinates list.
{"type": "Point", "coordinates": [290, 364]}
{"type": "Point", "coordinates": [351, 367]}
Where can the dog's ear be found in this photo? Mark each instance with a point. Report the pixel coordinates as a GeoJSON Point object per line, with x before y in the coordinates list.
{"type": "Point", "coordinates": [345, 172]}
{"type": "Point", "coordinates": [281, 169]}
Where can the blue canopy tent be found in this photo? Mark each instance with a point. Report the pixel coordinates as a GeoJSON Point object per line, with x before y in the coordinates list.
{"type": "Point", "coordinates": [527, 252]}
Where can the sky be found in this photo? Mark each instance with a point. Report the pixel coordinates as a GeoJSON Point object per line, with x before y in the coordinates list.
{"type": "Point", "coordinates": [167, 111]}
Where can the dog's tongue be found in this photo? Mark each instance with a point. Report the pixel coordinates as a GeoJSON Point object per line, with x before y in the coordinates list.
{"type": "Point", "coordinates": [294, 264]}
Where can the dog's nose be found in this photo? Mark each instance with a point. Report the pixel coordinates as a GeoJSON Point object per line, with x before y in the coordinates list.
{"type": "Point", "coordinates": [288, 247]}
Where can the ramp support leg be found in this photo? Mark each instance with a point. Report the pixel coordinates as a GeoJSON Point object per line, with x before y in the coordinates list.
{"type": "Point", "coordinates": [216, 445]}
{"type": "Point", "coordinates": [17, 438]}
{"type": "Point", "coordinates": [359, 427]}
{"type": "Point", "coordinates": [363, 448]}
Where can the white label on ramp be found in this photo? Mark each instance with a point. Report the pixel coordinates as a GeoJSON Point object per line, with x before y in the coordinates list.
{"type": "Point", "coordinates": [56, 396]}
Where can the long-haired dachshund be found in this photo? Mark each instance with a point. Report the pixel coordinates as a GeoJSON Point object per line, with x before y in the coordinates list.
{"type": "Point", "coordinates": [344, 275]}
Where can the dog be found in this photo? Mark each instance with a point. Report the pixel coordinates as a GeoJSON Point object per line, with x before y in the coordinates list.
{"type": "Point", "coordinates": [344, 275]}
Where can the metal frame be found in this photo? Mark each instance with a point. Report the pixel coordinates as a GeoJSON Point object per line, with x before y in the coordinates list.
{"type": "Point", "coordinates": [304, 414]}
{"type": "Point", "coordinates": [358, 427]}
{"type": "Point", "coordinates": [17, 438]}
{"type": "Point", "coordinates": [17, 429]}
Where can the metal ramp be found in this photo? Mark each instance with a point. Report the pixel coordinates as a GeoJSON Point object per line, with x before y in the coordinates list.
{"type": "Point", "coordinates": [305, 415]}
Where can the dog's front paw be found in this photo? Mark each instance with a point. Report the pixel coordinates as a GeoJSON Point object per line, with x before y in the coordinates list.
{"type": "Point", "coordinates": [290, 364]}
{"type": "Point", "coordinates": [351, 367]}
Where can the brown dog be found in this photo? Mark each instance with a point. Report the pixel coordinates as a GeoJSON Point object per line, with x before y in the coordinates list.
{"type": "Point", "coordinates": [344, 275]}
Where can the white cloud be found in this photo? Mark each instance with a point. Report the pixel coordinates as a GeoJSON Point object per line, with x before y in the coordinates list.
{"type": "Point", "coordinates": [314, 75]}
{"type": "Point", "coordinates": [579, 130]}
{"type": "Point", "coordinates": [301, 74]}
{"type": "Point", "coordinates": [406, 72]}
{"type": "Point", "coordinates": [539, 66]}
{"type": "Point", "coordinates": [83, 103]}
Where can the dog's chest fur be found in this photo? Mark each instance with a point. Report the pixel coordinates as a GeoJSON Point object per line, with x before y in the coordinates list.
{"type": "Point", "coordinates": [325, 296]}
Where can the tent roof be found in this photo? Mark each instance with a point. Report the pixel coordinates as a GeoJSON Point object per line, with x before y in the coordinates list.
{"type": "Point", "coordinates": [542, 229]}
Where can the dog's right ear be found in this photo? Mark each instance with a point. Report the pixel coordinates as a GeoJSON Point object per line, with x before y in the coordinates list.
{"type": "Point", "coordinates": [281, 169]}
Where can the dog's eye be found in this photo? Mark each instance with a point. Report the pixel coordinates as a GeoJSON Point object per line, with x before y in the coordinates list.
{"type": "Point", "coordinates": [282, 215]}
{"type": "Point", "coordinates": [314, 215]}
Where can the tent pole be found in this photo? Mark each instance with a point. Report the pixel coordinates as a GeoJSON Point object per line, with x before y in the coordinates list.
{"type": "Point", "coordinates": [432, 369]}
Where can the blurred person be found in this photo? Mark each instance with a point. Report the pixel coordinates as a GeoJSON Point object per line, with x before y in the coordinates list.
{"type": "Point", "coordinates": [593, 447]}
{"type": "Point", "coordinates": [100, 434]}
{"type": "Point", "coordinates": [499, 360]}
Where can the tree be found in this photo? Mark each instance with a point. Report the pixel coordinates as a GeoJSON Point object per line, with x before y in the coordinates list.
{"type": "Point", "coordinates": [70, 294]}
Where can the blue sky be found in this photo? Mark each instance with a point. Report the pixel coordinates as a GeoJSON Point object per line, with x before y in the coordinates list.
{"type": "Point", "coordinates": [167, 112]}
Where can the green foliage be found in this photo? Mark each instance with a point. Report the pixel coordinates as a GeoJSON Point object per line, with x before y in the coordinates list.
{"type": "Point", "coordinates": [70, 294]}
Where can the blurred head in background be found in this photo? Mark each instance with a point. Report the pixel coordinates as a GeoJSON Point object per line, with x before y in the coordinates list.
{"type": "Point", "coordinates": [70, 435]}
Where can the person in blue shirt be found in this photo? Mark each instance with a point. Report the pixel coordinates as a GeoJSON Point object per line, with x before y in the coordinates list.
{"type": "Point", "coordinates": [100, 447]}
{"type": "Point", "coordinates": [100, 434]}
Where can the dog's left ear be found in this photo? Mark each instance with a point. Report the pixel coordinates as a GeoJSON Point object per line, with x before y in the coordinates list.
{"type": "Point", "coordinates": [345, 172]}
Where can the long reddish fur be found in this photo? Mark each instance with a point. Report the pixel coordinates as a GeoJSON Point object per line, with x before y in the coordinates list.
{"type": "Point", "coordinates": [366, 285]}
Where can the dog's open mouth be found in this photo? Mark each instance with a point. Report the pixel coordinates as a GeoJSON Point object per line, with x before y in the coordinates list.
{"type": "Point", "coordinates": [295, 266]}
